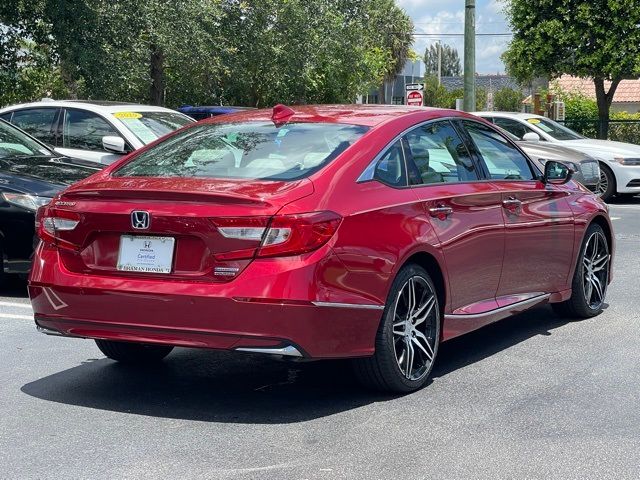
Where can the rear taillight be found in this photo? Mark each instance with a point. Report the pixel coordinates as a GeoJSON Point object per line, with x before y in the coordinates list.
{"type": "Point", "coordinates": [50, 222]}
{"type": "Point", "coordinates": [279, 236]}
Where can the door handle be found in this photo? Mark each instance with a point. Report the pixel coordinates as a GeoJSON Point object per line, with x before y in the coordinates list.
{"type": "Point", "coordinates": [440, 212]}
{"type": "Point", "coordinates": [512, 204]}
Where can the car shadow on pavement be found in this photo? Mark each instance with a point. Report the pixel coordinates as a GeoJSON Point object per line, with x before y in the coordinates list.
{"type": "Point", "coordinates": [244, 388]}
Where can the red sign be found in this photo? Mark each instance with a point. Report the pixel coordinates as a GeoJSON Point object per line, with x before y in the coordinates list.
{"type": "Point", "coordinates": [414, 98]}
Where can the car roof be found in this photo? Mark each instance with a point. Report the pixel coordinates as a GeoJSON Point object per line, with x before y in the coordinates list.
{"type": "Point", "coordinates": [99, 106]}
{"type": "Point", "coordinates": [364, 115]}
{"type": "Point", "coordinates": [515, 115]}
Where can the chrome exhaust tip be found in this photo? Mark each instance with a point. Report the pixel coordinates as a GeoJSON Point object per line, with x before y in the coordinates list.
{"type": "Point", "coordinates": [49, 331]}
{"type": "Point", "coordinates": [288, 351]}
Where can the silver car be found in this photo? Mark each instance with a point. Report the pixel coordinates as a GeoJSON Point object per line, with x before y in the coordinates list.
{"type": "Point", "coordinates": [586, 167]}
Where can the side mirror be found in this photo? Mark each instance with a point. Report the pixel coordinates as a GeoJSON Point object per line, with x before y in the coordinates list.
{"type": "Point", "coordinates": [531, 137]}
{"type": "Point", "coordinates": [113, 144]}
{"type": "Point", "coordinates": [557, 173]}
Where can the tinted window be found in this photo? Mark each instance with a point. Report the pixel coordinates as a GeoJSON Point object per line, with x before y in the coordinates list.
{"type": "Point", "coordinates": [390, 168]}
{"type": "Point", "coordinates": [149, 126]}
{"type": "Point", "coordinates": [503, 160]}
{"type": "Point", "coordinates": [14, 143]}
{"type": "Point", "coordinates": [438, 155]}
{"type": "Point", "coordinates": [37, 122]}
{"type": "Point", "coordinates": [253, 150]}
{"type": "Point", "coordinates": [6, 116]}
{"type": "Point", "coordinates": [512, 126]}
{"type": "Point", "coordinates": [84, 130]}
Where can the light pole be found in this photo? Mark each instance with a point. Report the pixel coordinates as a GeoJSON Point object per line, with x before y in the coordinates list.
{"type": "Point", "coordinates": [469, 103]}
{"type": "Point", "coordinates": [439, 44]}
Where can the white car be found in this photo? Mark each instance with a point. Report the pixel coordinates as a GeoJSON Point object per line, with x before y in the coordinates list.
{"type": "Point", "coordinates": [619, 162]}
{"type": "Point", "coordinates": [94, 130]}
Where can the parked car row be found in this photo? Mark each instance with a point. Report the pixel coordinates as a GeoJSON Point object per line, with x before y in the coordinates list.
{"type": "Point", "coordinates": [97, 131]}
{"type": "Point", "coordinates": [619, 162]}
{"type": "Point", "coordinates": [373, 233]}
{"type": "Point", "coordinates": [30, 176]}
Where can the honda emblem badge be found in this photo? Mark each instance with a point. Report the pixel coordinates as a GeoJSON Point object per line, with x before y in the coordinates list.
{"type": "Point", "coordinates": [140, 219]}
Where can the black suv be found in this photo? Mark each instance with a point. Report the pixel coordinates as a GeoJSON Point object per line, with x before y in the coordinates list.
{"type": "Point", "coordinates": [30, 175]}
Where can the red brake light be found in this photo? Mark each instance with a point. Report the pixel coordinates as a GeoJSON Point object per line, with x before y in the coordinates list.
{"type": "Point", "coordinates": [50, 221]}
{"type": "Point", "coordinates": [298, 234]}
{"type": "Point", "coordinates": [282, 235]}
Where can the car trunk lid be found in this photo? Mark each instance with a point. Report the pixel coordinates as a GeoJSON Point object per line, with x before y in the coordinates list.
{"type": "Point", "coordinates": [181, 224]}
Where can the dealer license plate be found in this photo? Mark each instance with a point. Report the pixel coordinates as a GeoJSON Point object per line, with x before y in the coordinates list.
{"type": "Point", "coordinates": [145, 254]}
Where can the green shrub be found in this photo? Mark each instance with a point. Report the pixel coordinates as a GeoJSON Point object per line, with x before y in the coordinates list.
{"type": "Point", "coordinates": [507, 100]}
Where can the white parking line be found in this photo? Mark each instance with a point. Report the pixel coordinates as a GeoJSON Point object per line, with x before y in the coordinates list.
{"type": "Point", "coordinates": [15, 304]}
{"type": "Point", "coordinates": [626, 207]}
{"type": "Point", "coordinates": [17, 317]}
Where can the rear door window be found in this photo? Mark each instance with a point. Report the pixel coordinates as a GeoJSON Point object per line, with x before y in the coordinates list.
{"type": "Point", "coordinates": [38, 122]}
{"type": "Point", "coordinates": [512, 126]}
{"type": "Point", "coordinates": [84, 130]}
{"type": "Point", "coordinates": [251, 150]}
{"type": "Point", "coordinates": [438, 155]}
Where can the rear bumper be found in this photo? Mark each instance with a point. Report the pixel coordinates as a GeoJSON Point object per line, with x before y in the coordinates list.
{"type": "Point", "coordinates": [248, 313]}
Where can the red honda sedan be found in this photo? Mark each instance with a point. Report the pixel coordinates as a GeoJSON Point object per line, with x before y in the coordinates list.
{"type": "Point", "coordinates": [365, 232]}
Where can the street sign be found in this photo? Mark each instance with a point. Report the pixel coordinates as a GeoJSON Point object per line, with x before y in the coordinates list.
{"type": "Point", "coordinates": [414, 94]}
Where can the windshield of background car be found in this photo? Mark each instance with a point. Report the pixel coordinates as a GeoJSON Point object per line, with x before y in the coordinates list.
{"type": "Point", "coordinates": [253, 150]}
{"type": "Point", "coordinates": [557, 131]}
{"type": "Point", "coordinates": [149, 126]}
{"type": "Point", "coordinates": [15, 143]}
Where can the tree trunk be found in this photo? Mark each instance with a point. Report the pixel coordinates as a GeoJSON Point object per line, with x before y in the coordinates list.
{"type": "Point", "coordinates": [157, 76]}
{"type": "Point", "coordinates": [604, 99]}
{"type": "Point", "coordinates": [69, 79]}
{"type": "Point", "coordinates": [383, 92]}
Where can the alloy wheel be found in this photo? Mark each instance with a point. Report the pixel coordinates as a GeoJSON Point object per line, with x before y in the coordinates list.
{"type": "Point", "coordinates": [595, 262]}
{"type": "Point", "coordinates": [603, 186]}
{"type": "Point", "coordinates": [415, 327]}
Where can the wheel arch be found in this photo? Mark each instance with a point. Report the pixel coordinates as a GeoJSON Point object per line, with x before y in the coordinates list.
{"type": "Point", "coordinates": [605, 224]}
{"type": "Point", "coordinates": [607, 168]}
{"type": "Point", "coordinates": [435, 271]}
{"type": "Point", "coordinates": [602, 222]}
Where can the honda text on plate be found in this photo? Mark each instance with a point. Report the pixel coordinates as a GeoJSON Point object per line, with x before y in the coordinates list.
{"type": "Point", "coordinates": [366, 232]}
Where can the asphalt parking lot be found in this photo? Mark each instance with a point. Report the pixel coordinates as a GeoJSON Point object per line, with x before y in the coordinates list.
{"type": "Point", "coordinates": [535, 396]}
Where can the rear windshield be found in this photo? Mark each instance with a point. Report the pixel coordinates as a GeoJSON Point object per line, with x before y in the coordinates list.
{"type": "Point", "coordinates": [245, 150]}
{"type": "Point", "coordinates": [149, 126]}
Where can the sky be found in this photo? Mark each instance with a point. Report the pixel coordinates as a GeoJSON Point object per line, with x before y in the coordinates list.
{"type": "Point", "coordinates": [447, 16]}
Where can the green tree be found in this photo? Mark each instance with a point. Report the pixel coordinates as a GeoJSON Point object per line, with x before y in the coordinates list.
{"type": "Point", "coordinates": [390, 28]}
{"type": "Point", "coordinates": [449, 58]}
{"type": "Point", "coordinates": [215, 51]}
{"type": "Point", "coordinates": [507, 100]}
{"type": "Point", "coordinates": [435, 95]}
{"type": "Point", "coordinates": [28, 71]}
{"type": "Point", "coordinates": [599, 39]}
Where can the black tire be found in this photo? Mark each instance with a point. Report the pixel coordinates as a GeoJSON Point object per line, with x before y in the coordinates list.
{"type": "Point", "coordinates": [383, 370]}
{"type": "Point", "coordinates": [608, 187]}
{"type": "Point", "coordinates": [138, 353]}
{"type": "Point", "coordinates": [578, 305]}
